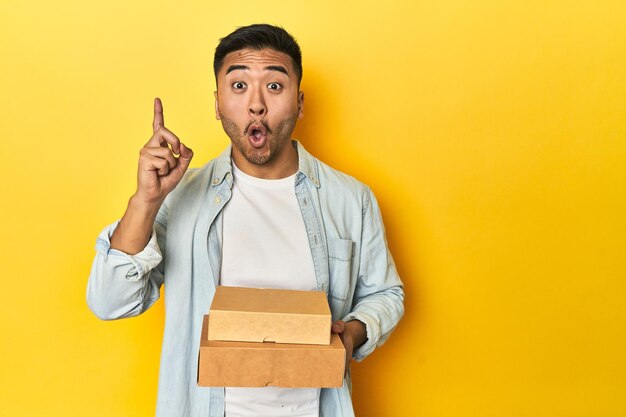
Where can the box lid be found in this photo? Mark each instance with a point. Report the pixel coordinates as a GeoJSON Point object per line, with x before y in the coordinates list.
{"type": "Point", "coordinates": [266, 300]}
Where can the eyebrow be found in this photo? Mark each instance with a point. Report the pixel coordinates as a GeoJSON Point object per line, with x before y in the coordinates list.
{"type": "Point", "coordinates": [278, 68]}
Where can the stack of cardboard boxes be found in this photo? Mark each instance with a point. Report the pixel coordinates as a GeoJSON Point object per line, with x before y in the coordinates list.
{"type": "Point", "coordinates": [264, 337]}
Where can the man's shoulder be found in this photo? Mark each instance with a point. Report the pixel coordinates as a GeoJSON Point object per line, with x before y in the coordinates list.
{"type": "Point", "coordinates": [342, 189]}
{"type": "Point", "coordinates": [330, 176]}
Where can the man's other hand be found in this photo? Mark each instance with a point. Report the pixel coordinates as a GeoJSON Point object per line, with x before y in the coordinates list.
{"type": "Point", "coordinates": [353, 334]}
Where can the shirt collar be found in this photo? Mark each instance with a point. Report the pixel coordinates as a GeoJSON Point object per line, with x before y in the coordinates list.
{"type": "Point", "coordinates": [306, 165]}
{"type": "Point", "coordinates": [223, 168]}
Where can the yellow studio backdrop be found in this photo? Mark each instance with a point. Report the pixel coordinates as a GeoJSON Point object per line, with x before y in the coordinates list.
{"type": "Point", "coordinates": [493, 134]}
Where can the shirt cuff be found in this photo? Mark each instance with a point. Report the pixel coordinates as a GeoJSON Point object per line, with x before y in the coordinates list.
{"type": "Point", "coordinates": [142, 262]}
{"type": "Point", "coordinates": [373, 334]}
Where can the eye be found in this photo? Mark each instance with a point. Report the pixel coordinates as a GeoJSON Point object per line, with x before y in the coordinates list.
{"type": "Point", "coordinates": [239, 85]}
{"type": "Point", "coordinates": [274, 86]}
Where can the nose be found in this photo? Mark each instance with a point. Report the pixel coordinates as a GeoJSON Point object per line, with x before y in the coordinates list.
{"type": "Point", "coordinates": [256, 106]}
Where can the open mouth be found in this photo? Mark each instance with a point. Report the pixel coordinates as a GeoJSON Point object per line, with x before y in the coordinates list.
{"type": "Point", "coordinates": [257, 135]}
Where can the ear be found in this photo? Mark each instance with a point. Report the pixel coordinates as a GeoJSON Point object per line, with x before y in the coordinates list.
{"type": "Point", "coordinates": [300, 105]}
{"type": "Point", "coordinates": [217, 109]}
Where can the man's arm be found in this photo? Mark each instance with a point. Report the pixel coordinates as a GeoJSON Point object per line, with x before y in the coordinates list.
{"type": "Point", "coordinates": [122, 285]}
{"type": "Point", "coordinates": [158, 173]}
{"type": "Point", "coordinates": [125, 278]}
{"type": "Point", "coordinates": [379, 296]}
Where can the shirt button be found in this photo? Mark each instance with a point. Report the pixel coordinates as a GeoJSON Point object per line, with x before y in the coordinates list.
{"type": "Point", "coordinates": [218, 200]}
{"type": "Point", "coordinates": [215, 181]}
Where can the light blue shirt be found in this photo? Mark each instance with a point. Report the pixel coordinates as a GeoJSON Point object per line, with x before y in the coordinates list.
{"type": "Point", "coordinates": [352, 264]}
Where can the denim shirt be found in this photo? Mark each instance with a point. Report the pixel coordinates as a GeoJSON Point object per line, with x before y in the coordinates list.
{"type": "Point", "coordinates": [350, 255]}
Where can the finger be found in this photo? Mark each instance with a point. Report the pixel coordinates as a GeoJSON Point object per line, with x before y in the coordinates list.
{"type": "Point", "coordinates": [338, 326]}
{"type": "Point", "coordinates": [157, 121]}
{"type": "Point", "coordinates": [154, 163]}
{"type": "Point", "coordinates": [186, 154]}
{"type": "Point", "coordinates": [160, 152]}
{"type": "Point", "coordinates": [163, 137]}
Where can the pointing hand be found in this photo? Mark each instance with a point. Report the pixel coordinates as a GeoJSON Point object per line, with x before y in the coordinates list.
{"type": "Point", "coordinates": [162, 161]}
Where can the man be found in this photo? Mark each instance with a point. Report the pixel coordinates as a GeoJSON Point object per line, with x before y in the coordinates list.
{"type": "Point", "coordinates": [263, 214]}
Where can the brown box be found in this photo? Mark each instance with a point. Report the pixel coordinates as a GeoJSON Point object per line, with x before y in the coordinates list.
{"type": "Point", "coordinates": [268, 315]}
{"type": "Point", "coordinates": [249, 364]}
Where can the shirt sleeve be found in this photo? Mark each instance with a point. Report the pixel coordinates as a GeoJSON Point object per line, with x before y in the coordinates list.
{"type": "Point", "coordinates": [122, 285]}
{"type": "Point", "coordinates": [379, 295]}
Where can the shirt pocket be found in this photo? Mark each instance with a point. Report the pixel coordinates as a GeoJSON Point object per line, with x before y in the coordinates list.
{"type": "Point", "coordinates": [339, 263]}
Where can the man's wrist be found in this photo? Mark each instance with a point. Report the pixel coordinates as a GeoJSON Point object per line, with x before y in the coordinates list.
{"type": "Point", "coordinates": [142, 207]}
{"type": "Point", "coordinates": [135, 228]}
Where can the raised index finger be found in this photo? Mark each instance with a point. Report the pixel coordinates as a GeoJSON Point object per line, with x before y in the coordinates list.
{"type": "Point", "coordinates": [157, 122]}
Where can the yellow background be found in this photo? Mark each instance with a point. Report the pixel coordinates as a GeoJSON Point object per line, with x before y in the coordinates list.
{"type": "Point", "coordinates": [493, 134]}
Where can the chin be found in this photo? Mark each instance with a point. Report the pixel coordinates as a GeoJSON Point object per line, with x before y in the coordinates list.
{"type": "Point", "coordinates": [257, 156]}
{"type": "Point", "coordinates": [258, 159]}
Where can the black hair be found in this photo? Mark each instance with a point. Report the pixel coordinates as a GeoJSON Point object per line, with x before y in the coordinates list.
{"type": "Point", "coordinates": [259, 36]}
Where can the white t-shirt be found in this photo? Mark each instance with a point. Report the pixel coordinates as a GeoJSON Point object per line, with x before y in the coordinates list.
{"type": "Point", "coordinates": [265, 245]}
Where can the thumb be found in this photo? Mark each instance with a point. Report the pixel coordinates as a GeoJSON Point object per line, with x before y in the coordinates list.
{"type": "Point", "coordinates": [338, 326]}
{"type": "Point", "coordinates": [184, 159]}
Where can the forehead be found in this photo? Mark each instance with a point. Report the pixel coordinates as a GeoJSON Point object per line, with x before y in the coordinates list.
{"type": "Point", "coordinates": [256, 59]}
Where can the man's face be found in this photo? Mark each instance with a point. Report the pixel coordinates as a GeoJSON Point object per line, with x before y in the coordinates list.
{"type": "Point", "coordinates": [258, 102]}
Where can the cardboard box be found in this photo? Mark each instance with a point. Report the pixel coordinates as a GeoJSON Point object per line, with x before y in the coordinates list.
{"type": "Point", "coordinates": [249, 364]}
{"type": "Point", "coordinates": [269, 315]}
